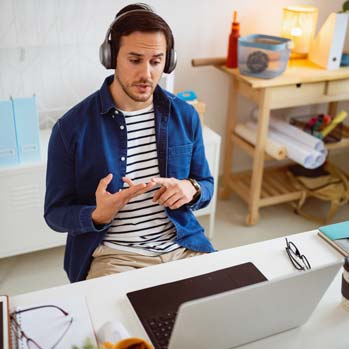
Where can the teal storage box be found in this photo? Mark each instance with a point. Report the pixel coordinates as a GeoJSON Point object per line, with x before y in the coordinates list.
{"type": "Point", "coordinates": [263, 56]}
{"type": "Point", "coordinates": [8, 141]}
{"type": "Point", "coordinates": [27, 129]}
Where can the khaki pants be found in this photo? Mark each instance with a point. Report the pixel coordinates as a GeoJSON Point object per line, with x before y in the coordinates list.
{"type": "Point", "coordinates": [107, 260]}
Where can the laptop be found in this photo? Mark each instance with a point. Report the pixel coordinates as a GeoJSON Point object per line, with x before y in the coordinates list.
{"type": "Point", "coordinates": [256, 309]}
{"type": "Point", "coordinates": [157, 306]}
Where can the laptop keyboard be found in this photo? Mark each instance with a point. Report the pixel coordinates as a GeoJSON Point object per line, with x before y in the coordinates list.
{"type": "Point", "coordinates": [161, 327]}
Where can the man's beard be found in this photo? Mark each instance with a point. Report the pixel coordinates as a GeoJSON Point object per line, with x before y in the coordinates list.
{"type": "Point", "coordinates": [133, 96]}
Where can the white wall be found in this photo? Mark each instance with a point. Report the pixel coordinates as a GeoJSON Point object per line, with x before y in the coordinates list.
{"type": "Point", "coordinates": [50, 47]}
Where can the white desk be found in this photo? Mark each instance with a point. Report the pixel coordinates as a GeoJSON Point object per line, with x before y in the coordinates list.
{"type": "Point", "coordinates": [106, 297]}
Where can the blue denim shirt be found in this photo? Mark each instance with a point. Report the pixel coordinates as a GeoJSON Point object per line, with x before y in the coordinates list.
{"type": "Point", "coordinates": [87, 143]}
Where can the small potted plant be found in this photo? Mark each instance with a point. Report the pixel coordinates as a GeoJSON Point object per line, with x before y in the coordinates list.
{"type": "Point", "coordinates": [327, 47]}
{"type": "Point", "coordinates": [345, 7]}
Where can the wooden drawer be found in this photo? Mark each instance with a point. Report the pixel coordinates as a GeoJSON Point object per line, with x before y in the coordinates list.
{"type": "Point", "coordinates": [297, 94]}
{"type": "Point", "coordinates": [338, 87]}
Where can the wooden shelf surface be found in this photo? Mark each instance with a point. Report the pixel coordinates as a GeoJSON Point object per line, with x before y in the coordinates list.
{"type": "Point", "coordinates": [298, 71]}
{"type": "Point", "coordinates": [344, 143]}
{"type": "Point", "coordinates": [276, 187]}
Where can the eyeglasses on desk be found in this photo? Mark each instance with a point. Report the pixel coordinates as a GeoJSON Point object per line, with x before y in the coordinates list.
{"type": "Point", "coordinates": [31, 342]}
{"type": "Point", "coordinates": [299, 261]}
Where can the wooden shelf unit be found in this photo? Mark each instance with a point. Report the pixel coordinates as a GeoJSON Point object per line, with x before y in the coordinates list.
{"type": "Point", "coordinates": [303, 83]}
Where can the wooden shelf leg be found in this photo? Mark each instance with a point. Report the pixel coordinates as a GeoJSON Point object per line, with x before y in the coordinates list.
{"type": "Point", "coordinates": [332, 108]}
{"type": "Point", "coordinates": [228, 144]}
{"type": "Point", "coordinates": [252, 220]}
{"type": "Point", "coordinates": [258, 158]}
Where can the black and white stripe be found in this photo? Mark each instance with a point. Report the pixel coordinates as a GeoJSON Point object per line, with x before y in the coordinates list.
{"type": "Point", "coordinates": [142, 226]}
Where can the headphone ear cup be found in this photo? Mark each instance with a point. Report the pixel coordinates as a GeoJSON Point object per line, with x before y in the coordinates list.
{"type": "Point", "coordinates": [105, 54]}
{"type": "Point", "coordinates": [112, 55]}
{"type": "Point", "coordinates": [171, 61]}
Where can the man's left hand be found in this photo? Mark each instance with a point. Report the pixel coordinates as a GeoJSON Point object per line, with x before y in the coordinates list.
{"type": "Point", "coordinates": [173, 192]}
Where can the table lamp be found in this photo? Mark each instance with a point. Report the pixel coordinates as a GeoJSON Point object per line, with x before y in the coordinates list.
{"type": "Point", "coordinates": [298, 24]}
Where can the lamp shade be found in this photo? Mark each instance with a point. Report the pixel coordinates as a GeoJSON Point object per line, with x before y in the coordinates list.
{"type": "Point", "coordinates": [298, 24]}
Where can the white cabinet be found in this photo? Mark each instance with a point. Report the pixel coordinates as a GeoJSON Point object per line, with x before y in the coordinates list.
{"type": "Point", "coordinates": [22, 188]}
{"type": "Point", "coordinates": [212, 148]}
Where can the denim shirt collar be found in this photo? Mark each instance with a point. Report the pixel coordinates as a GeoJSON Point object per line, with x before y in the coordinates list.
{"type": "Point", "coordinates": [105, 98]}
{"type": "Point", "coordinates": [161, 100]}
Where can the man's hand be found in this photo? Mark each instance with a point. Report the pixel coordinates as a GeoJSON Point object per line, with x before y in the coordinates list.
{"type": "Point", "coordinates": [107, 204]}
{"type": "Point", "coordinates": [173, 192]}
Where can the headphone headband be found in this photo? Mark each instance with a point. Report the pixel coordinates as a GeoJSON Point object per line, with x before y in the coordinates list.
{"type": "Point", "coordinates": [106, 55]}
{"type": "Point", "coordinates": [117, 18]}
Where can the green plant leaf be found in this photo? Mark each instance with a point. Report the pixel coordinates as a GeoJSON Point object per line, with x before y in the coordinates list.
{"type": "Point", "coordinates": [345, 6]}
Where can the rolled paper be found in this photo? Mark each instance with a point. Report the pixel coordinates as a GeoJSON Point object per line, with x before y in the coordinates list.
{"type": "Point", "coordinates": [272, 148]}
{"type": "Point", "coordinates": [305, 156]}
{"type": "Point", "coordinates": [296, 133]}
{"type": "Point", "coordinates": [320, 158]}
{"type": "Point", "coordinates": [296, 151]}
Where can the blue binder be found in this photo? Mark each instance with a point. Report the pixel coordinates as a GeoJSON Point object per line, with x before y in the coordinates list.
{"type": "Point", "coordinates": [27, 129]}
{"type": "Point", "coordinates": [8, 142]}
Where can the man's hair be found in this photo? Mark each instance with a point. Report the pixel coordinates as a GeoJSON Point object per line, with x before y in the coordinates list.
{"type": "Point", "coordinates": [142, 21]}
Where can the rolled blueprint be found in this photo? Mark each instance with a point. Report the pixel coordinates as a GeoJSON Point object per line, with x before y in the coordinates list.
{"type": "Point", "coordinates": [299, 135]}
{"type": "Point", "coordinates": [297, 151]}
{"type": "Point", "coordinates": [306, 156]}
{"type": "Point", "coordinates": [274, 149]}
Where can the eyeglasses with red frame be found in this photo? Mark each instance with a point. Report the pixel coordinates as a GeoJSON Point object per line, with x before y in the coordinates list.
{"type": "Point", "coordinates": [31, 343]}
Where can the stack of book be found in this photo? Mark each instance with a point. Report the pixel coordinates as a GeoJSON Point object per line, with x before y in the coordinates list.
{"type": "Point", "coordinates": [337, 235]}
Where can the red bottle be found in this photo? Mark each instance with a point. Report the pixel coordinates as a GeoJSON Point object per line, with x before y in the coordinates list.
{"type": "Point", "coordinates": [232, 59]}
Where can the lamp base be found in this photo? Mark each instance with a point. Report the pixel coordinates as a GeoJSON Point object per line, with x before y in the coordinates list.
{"type": "Point", "coordinates": [295, 55]}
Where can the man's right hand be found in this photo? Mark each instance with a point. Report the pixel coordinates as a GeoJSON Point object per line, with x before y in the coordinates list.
{"type": "Point", "coordinates": [108, 205]}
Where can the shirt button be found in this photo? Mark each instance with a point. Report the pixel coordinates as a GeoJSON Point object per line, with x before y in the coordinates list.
{"type": "Point", "coordinates": [123, 158]}
{"type": "Point", "coordinates": [116, 112]}
{"type": "Point", "coordinates": [122, 127]}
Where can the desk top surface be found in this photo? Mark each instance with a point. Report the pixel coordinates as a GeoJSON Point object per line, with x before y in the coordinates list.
{"type": "Point", "coordinates": [106, 296]}
{"type": "Point", "coordinates": [298, 71]}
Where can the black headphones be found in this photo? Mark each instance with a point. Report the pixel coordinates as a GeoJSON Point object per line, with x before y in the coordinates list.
{"type": "Point", "coordinates": [106, 50]}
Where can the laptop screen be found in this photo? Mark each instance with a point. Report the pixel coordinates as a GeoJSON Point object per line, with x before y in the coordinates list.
{"type": "Point", "coordinates": [4, 323]}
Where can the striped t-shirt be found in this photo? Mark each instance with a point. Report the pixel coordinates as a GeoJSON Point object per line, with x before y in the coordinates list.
{"type": "Point", "coordinates": [142, 226]}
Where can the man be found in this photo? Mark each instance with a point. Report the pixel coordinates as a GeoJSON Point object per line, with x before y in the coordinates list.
{"type": "Point", "coordinates": [127, 166]}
